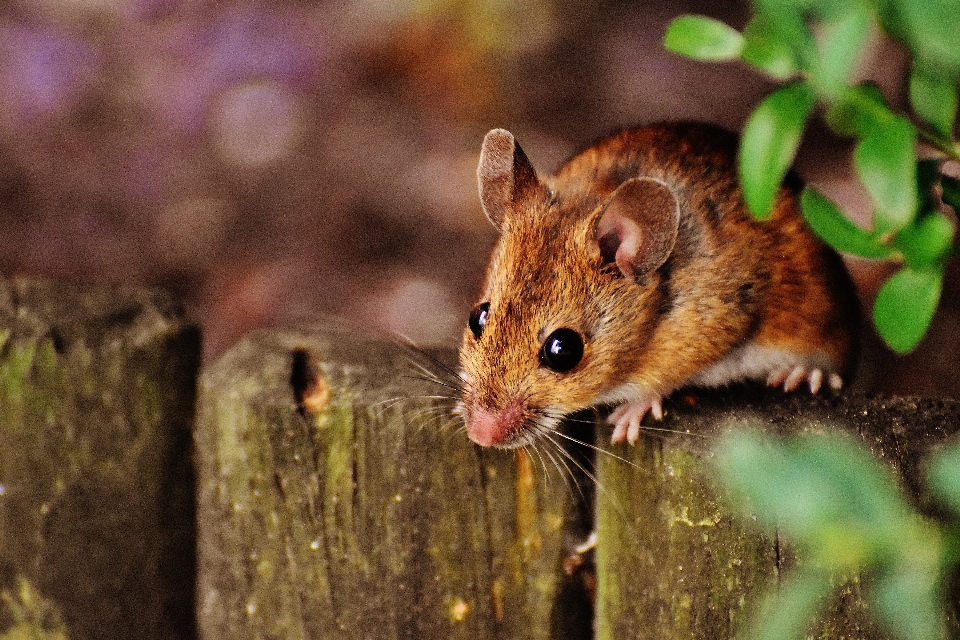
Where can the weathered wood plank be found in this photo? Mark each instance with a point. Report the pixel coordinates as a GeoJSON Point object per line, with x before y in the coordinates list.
{"type": "Point", "coordinates": [371, 518]}
{"type": "Point", "coordinates": [368, 516]}
{"type": "Point", "coordinates": [675, 561]}
{"type": "Point", "coordinates": [97, 386]}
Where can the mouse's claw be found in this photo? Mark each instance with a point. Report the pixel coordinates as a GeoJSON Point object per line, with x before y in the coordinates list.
{"type": "Point", "coordinates": [835, 381]}
{"type": "Point", "coordinates": [791, 379]}
{"type": "Point", "coordinates": [627, 417]}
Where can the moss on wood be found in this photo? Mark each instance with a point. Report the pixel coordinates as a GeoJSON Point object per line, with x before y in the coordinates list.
{"type": "Point", "coordinates": [362, 513]}
{"type": "Point", "coordinates": [96, 492]}
{"type": "Point", "coordinates": [674, 560]}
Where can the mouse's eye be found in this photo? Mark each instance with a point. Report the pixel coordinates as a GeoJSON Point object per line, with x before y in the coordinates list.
{"type": "Point", "coordinates": [562, 350]}
{"type": "Point", "coordinates": [478, 319]}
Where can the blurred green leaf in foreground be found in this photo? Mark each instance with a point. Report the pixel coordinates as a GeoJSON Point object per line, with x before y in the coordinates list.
{"type": "Point", "coordinates": [845, 516]}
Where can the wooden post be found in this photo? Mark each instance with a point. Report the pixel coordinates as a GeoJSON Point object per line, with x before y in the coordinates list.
{"type": "Point", "coordinates": [362, 512]}
{"type": "Point", "coordinates": [675, 561]}
{"type": "Point", "coordinates": [367, 513]}
{"type": "Point", "coordinates": [96, 484]}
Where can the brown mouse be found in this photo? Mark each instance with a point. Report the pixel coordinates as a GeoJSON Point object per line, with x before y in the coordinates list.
{"type": "Point", "coordinates": [636, 270]}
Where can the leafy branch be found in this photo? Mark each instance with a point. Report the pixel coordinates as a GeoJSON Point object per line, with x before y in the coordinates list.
{"type": "Point", "coordinates": [813, 46]}
{"type": "Point", "coordinates": [845, 515]}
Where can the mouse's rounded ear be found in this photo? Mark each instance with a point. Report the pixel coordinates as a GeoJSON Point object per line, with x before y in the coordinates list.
{"type": "Point", "coordinates": [505, 176]}
{"type": "Point", "coordinates": [638, 226]}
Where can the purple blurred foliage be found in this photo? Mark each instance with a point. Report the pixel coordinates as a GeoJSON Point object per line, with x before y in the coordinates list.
{"type": "Point", "coordinates": [43, 72]}
{"type": "Point", "coordinates": [194, 59]}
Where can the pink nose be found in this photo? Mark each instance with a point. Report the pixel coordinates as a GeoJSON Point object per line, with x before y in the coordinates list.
{"type": "Point", "coordinates": [489, 428]}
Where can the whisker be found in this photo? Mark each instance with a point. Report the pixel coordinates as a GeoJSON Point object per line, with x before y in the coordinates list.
{"type": "Point", "coordinates": [388, 403]}
{"type": "Point", "coordinates": [566, 473]}
{"type": "Point", "coordinates": [430, 372]}
{"type": "Point", "coordinates": [595, 448]}
{"type": "Point", "coordinates": [437, 419]}
{"type": "Point", "coordinates": [543, 464]}
{"type": "Point", "coordinates": [436, 381]}
{"type": "Point", "coordinates": [426, 416]}
{"type": "Point", "coordinates": [664, 430]}
{"type": "Point", "coordinates": [570, 480]}
{"type": "Point", "coordinates": [449, 399]}
{"type": "Point", "coordinates": [408, 344]}
{"type": "Point", "coordinates": [591, 475]}
{"type": "Point", "coordinates": [567, 454]}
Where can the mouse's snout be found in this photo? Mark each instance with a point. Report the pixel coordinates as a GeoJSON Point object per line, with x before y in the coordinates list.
{"type": "Point", "coordinates": [498, 427]}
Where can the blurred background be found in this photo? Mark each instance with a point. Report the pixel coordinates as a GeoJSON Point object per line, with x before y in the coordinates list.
{"type": "Point", "coordinates": [276, 163]}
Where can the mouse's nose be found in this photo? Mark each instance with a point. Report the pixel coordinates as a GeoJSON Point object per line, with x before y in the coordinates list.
{"type": "Point", "coordinates": [495, 427]}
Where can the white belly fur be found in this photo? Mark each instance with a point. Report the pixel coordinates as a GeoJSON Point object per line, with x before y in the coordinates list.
{"type": "Point", "coordinates": [746, 362]}
{"type": "Point", "coordinates": [751, 362]}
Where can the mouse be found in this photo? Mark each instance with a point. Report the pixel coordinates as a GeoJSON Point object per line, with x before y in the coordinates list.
{"type": "Point", "coordinates": [636, 270]}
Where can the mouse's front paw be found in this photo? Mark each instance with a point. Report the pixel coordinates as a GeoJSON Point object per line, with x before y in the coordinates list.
{"type": "Point", "coordinates": [790, 379]}
{"type": "Point", "coordinates": [627, 417]}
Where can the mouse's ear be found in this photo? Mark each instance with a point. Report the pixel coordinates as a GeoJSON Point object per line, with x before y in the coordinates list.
{"type": "Point", "coordinates": [638, 226]}
{"type": "Point", "coordinates": [505, 175]}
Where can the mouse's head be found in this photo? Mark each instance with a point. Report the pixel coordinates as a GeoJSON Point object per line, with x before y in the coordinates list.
{"type": "Point", "coordinates": [572, 293]}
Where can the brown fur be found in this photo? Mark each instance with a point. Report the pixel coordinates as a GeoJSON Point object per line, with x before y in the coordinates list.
{"type": "Point", "coordinates": [728, 280]}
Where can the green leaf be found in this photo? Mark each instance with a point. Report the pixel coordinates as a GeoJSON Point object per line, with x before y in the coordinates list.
{"type": "Point", "coordinates": [928, 242]}
{"type": "Point", "coordinates": [769, 143]}
{"type": "Point", "coordinates": [860, 514]}
{"type": "Point", "coordinates": [813, 9]}
{"type": "Point", "coordinates": [928, 174]}
{"type": "Point", "coordinates": [929, 28]}
{"type": "Point", "coordinates": [752, 466]}
{"type": "Point", "coordinates": [786, 613]}
{"type": "Point", "coordinates": [858, 110]}
{"type": "Point", "coordinates": [951, 191]}
{"type": "Point", "coordinates": [887, 165]}
{"type": "Point", "coordinates": [934, 99]}
{"type": "Point", "coordinates": [828, 222]}
{"type": "Point", "coordinates": [905, 306]}
{"type": "Point", "coordinates": [943, 473]}
{"type": "Point", "coordinates": [907, 598]}
{"type": "Point", "coordinates": [841, 41]}
{"type": "Point", "coordinates": [780, 47]}
{"type": "Point", "coordinates": [826, 493]}
{"type": "Point", "coordinates": [703, 38]}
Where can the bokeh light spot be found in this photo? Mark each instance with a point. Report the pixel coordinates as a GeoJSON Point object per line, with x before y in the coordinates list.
{"type": "Point", "coordinates": [256, 123]}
